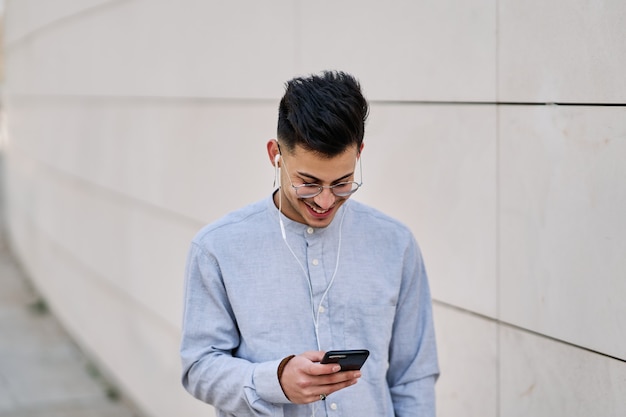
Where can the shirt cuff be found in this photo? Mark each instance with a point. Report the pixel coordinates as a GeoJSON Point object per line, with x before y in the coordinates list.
{"type": "Point", "coordinates": [266, 383]}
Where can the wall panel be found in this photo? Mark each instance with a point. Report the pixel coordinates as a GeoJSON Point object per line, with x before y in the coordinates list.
{"type": "Point", "coordinates": [541, 377]}
{"type": "Point", "coordinates": [404, 50]}
{"type": "Point", "coordinates": [162, 49]}
{"type": "Point", "coordinates": [468, 352]}
{"type": "Point", "coordinates": [563, 234]}
{"type": "Point", "coordinates": [561, 51]}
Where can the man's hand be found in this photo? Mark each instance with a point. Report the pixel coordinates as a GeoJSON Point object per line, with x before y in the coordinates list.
{"type": "Point", "coordinates": [304, 380]}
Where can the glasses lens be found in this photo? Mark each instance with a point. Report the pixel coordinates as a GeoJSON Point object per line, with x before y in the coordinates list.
{"type": "Point", "coordinates": [345, 188]}
{"type": "Point", "coordinates": [308, 190]}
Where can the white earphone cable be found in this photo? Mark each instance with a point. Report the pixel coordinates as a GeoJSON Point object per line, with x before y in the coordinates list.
{"type": "Point", "coordinates": [314, 314]}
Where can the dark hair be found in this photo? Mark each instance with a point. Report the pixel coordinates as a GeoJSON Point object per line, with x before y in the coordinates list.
{"type": "Point", "coordinates": [322, 113]}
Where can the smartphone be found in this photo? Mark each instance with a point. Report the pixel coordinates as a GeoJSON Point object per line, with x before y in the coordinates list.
{"type": "Point", "coordinates": [349, 360]}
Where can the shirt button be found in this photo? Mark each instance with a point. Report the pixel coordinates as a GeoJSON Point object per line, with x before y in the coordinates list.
{"type": "Point", "coordinates": [315, 262]}
{"type": "Point", "coordinates": [333, 406]}
{"type": "Point", "coordinates": [310, 230]}
{"type": "Point", "coordinates": [322, 309]}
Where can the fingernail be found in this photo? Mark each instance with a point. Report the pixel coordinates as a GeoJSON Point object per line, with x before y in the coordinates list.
{"type": "Point", "coordinates": [336, 368]}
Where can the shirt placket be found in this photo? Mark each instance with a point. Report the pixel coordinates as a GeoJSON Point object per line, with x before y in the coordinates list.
{"type": "Point", "coordinates": [319, 283]}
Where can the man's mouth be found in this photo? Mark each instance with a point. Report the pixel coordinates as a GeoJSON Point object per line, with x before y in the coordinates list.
{"type": "Point", "coordinates": [317, 210]}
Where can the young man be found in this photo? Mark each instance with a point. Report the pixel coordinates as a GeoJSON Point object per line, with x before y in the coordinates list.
{"type": "Point", "coordinates": [272, 286]}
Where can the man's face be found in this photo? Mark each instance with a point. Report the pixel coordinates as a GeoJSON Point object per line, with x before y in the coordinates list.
{"type": "Point", "coordinates": [306, 167]}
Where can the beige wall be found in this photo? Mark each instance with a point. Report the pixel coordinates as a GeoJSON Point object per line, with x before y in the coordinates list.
{"type": "Point", "coordinates": [130, 123]}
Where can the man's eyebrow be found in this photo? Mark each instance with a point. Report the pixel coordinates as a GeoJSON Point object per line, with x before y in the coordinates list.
{"type": "Point", "coordinates": [317, 180]}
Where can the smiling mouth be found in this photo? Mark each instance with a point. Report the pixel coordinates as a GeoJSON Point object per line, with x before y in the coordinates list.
{"type": "Point", "coordinates": [318, 210]}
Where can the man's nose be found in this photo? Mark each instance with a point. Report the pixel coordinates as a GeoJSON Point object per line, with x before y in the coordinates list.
{"type": "Point", "coordinates": [325, 199]}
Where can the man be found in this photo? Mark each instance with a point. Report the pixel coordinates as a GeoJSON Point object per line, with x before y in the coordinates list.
{"type": "Point", "coordinates": [305, 271]}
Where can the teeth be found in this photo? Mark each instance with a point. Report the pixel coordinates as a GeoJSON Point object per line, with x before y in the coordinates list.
{"type": "Point", "coordinates": [318, 211]}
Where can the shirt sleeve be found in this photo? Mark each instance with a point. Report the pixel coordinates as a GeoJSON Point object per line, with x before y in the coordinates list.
{"type": "Point", "coordinates": [210, 372]}
{"type": "Point", "coordinates": [413, 368]}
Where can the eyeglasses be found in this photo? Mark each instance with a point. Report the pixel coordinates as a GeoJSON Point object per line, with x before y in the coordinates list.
{"type": "Point", "coordinates": [342, 189]}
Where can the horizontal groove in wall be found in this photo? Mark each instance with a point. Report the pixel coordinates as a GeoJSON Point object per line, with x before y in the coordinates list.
{"type": "Point", "coordinates": [91, 98]}
{"type": "Point", "coordinates": [523, 329]}
{"type": "Point", "coordinates": [265, 100]}
{"type": "Point", "coordinates": [494, 103]}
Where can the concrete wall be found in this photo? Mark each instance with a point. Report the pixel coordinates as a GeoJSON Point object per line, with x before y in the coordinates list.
{"type": "Point", "coordinates": [131, 123]}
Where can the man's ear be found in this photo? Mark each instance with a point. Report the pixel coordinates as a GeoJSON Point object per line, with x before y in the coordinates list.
{"type": "Point", "coordinates": [273, 151]}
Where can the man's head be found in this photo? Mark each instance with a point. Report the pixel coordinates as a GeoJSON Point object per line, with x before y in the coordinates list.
{"type": "Point", "coordinates": [323, 113]}
{"type": "Point", "coordinates": [321, 123]}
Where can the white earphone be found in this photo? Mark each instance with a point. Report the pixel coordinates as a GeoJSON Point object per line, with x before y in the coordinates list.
{"type": "Point", "coordinates": [280, 196]}
{"type": "Point", "coordinates": [277, 167]}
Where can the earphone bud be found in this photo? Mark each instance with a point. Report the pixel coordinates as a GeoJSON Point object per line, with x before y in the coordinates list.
{"type": "Point", "coordinates": [277, 168]}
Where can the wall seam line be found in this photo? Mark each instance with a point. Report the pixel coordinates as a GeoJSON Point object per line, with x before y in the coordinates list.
{"type": "Point", "coordinates": [525, 330]}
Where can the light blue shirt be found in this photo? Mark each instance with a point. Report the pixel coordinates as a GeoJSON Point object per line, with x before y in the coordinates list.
{"type": "Point", "coordinates": [248, 305]}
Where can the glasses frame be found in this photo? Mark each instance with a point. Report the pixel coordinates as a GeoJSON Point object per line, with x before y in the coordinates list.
{"type": "Point", "coordinates": [320, 188]}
